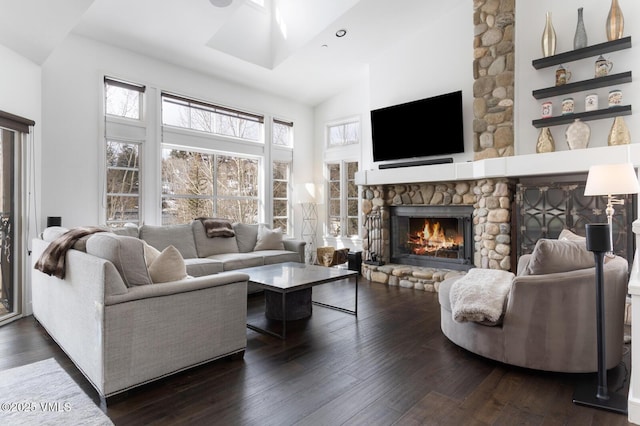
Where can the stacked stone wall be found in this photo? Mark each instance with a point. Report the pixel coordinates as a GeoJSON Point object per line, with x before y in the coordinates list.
{"type": "Point", "coordinates": [493, 74]}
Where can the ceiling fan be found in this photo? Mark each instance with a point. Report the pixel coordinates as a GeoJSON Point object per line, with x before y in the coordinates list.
{"type": "Point", "coordinates": [221, 3]}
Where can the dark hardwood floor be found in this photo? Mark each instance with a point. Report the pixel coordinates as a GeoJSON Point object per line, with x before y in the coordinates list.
{"type": "Point", "coordinates": [389, 365]}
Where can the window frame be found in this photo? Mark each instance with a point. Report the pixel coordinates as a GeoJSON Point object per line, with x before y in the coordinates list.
{"type": "Point", "coordinates": [287, 198]}
{"type": "Point", "coordinates": [215, 197]}
{"type": "Point", "coordinates": [343, 123]}
{"type": "Point", "coordinates": [140, 147]}
{"type": "Point", "coordinates": [123, 84]}
{"type": "Point", "coordinates": [344, 199]}
{"type": "Point", "coordinates": [215, 110]}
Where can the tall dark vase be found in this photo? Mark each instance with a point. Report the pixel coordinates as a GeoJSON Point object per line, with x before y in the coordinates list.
{"type": "Point", "coordinates": [580, 38]}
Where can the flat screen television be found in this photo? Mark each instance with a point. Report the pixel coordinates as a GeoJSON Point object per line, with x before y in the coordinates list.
{"type": "Point", "coordinates": [414, 129]}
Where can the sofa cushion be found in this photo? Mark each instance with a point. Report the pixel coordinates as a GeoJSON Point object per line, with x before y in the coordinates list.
{"type": "Point", "coordinates": [163, 236]}
{"type": "Point", "coordinates": [278, 256]}
{"type": "Point", "coordinates": [168, 266]}
{"type": "Point", "coordinates": [269, 239]}
{"type": "Point", "coordinates": [233, 261]}
{"type": "Point", "coordinates": [551, 256]}
{"type": "Point", "coordinates": [207, 246]}
{"type": "Point", "coordinates": [197, 267]}
{"type": "Point", "coordinates": [246, 236]}
{"type": "Point", "coordinates": [126, 254]}
{"type": "Point", "coordinates": [129, 230]}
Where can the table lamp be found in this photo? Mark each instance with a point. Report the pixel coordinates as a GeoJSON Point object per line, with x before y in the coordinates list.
{"type": "Point", "coordinates": [611, 180]}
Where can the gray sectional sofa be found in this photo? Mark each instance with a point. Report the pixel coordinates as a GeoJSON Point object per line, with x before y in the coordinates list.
{"type": "Point", "coordinates": [121, 328]}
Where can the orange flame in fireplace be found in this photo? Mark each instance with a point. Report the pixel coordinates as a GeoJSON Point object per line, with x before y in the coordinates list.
{"type": "Point", "coordinates": [432, 239]}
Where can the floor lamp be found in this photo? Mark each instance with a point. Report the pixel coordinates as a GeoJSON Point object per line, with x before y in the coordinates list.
{"type": "Point", "coordinates": [598, 396]}
{"type": "Point", "coordinates": [609, 180]}
{"type": "Point", "coordinates": [306, 194]}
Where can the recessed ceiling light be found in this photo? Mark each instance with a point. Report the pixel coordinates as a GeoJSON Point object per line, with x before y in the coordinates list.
{"type": "Point", "coordinates": [221, 3]}
{"type": "Point", "coordinates": [341, 33]}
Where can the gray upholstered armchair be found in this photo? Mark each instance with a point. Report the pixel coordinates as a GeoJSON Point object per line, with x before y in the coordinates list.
{"type": "Point", "coordinates": [549, 317]}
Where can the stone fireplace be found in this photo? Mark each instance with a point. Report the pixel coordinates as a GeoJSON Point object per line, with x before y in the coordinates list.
{"type": "Point", "coordinates": [487, 201]}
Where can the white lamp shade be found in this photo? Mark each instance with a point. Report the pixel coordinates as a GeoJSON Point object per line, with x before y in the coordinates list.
{"type": "Point", "coordinates": [612, 179]}
{"type": "Point", "coordinates": [305, 193]}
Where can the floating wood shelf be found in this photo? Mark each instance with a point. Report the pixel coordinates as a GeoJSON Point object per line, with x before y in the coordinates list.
{"type": "Point", "coordinates": [584, 116]}
{"type": "Point", "coordinates": [594, 83]}
{"type": "Point", "coordinates": [585, 52]}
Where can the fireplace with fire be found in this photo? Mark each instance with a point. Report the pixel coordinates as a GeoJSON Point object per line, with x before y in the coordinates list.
{"type": "Point", "coordinates": [432, 236]}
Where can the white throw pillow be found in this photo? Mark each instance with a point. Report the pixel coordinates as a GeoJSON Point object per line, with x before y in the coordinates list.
{"type": "Point", "coordinates": [269, 239]}
{"type": "Point", "coordinates": [150, 254]}
{"type": "Point", "coordinates": [168, 266]}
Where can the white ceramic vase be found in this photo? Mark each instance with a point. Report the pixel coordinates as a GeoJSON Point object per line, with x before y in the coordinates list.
{"type": "Point", "coordinates": [578, 134]}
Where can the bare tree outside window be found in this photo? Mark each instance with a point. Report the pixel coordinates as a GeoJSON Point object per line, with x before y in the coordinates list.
{"type": "Point", "coordinates": [343, 199]}
{"type": "Point", "coordinates": [122, 102]}
{"type": "Point", "coordinates": [195, 184]}
{"type": "Point", "coordinates": [123, 183]}
{"type": "Point", "coordinates": [281, 171]}
{"type": "Point", "coordinates": [209, 118]}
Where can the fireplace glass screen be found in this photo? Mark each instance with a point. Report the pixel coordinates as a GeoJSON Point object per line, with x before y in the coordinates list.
{"type": "Point", "coordinates": [440, 238]}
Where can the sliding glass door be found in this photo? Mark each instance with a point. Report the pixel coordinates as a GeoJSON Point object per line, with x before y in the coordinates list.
{"type": "Point", "coordinates": [15, 140]}
{"type": "Point", "coordinates": [8, 286]}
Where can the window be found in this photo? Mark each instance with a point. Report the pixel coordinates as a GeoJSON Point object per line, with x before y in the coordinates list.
{"type": "Point", "coordinates": [281, 171]}
{"type": "Point", "coordinates": [198, 184]}
{"type": "Point", "coordinates": [343, 133]}
{"type": "Point", "coordinates": [282, 133]}
{"type": "Point", "coordinates": [196, 115]}
{"type": "Point", "coordinates": [123, 99]}
{"type": "Point", "coordinates": [123, 183]}
{"type": "Point", "coordinates": [343, 199]}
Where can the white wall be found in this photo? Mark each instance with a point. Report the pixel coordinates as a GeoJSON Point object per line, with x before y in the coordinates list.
{"type": "Point", "coordinates": [436, 61]}
{"type": "Point", "coordinates": [72, 96]}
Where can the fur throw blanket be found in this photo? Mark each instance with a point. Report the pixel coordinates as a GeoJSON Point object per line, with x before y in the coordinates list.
{"type": "Point", "coordinates": [52, 260]}
{"type": "Point", "coordinates": [480, 295]}
{"type": "Point", "coordinates": [217, 227]}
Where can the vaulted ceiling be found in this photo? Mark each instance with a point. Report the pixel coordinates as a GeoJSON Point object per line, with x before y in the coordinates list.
{"type": "Point", "coordinates": [288, 47]}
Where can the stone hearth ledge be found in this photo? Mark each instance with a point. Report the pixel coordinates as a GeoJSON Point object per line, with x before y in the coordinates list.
{"type": "Point", "coordinates": [408, 276]}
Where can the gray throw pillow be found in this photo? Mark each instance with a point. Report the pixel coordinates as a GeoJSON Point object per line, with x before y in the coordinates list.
{"type": "Point", "coordinates": [207, 246]}
{"type": "Point", "coordinates": [551, 256]}
{"type": "Point", "coordinates": [246, 236]}
{"type": "Point", "coordinates": [269, 239]}
{"type": "Point", "coordinates": [163, 236]}
{"type": "Point", "coordinates": [126, 254]}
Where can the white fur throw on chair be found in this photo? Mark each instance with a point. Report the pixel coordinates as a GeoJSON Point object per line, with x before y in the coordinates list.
{"type": "Point", "coordinates": [480, 295]}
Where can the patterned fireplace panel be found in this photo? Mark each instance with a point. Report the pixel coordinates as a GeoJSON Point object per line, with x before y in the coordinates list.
{"type": "Point", "coordinates": [545, 207]}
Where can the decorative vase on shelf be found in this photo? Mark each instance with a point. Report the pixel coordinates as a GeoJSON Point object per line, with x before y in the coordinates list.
{"type": "Point", "coordinates": [615, 22]}
{"type": "Point", "coordinates": [578, 134]}
{"type": "Point", "coordinates": [545, 141]}
{"type": "Point", "coordinates": [548, 38]}
{"type": "Point", "coordinates": [580, 38]}
{"type": "Point", "coordinates": [619, 134]}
